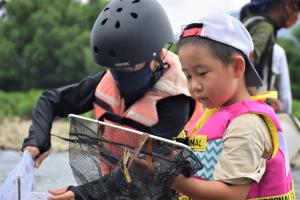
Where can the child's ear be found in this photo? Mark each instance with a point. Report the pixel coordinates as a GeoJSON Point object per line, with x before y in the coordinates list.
{"type": "Point", "coordinates": [238, 63]}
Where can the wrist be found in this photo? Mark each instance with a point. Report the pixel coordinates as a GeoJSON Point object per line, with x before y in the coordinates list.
{"type": "Point", "coordinates": [176, 181]}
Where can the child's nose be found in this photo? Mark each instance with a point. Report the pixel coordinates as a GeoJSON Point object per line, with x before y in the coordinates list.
{"type": "Point", "coordinates": [196, 86]}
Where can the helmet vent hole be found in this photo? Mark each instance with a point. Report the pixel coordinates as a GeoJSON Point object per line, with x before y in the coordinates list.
{"type": "Point", "coordinates": [112, 53]}
{"type": "Point", "coordinates": [106, 9]}
{"type": "Point", "coordinates": [103, 21]}
{"type": "Point", "coordinates": [136, 1]}
{"type": "Point", "coordinates": [96, 50]}
{"type": "Point", "coordinates": [117, 25]}
{"type": "Point", "coordinates": [119, 9]}
{"type": "Point", "coordinates": [134, 15]}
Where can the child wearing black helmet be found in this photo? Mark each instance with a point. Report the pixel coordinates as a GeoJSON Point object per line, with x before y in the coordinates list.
{"type": "Point", "coordinates": [142, 87]}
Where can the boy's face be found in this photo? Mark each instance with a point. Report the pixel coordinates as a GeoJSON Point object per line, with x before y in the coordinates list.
{"type": "Point", "coordinates": [209, 80]}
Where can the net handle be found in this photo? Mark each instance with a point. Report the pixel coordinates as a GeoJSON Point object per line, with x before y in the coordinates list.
{"type": "Point", "coordinates": [132, 131]}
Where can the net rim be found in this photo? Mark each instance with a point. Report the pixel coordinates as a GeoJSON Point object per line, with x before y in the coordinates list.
{"type": "Point", "coordinates": [131, 130]}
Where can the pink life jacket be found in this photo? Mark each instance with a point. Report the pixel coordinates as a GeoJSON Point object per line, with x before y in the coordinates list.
{"type": "Point", "coordinates": [143, 112]}
{"type": "Point", "coordinates": [207, 143]}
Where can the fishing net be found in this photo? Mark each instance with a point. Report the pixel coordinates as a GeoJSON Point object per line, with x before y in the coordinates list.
{"type": "Point", "coordinates": [112, 162]}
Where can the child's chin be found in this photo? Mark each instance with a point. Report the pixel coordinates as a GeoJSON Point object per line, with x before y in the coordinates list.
{"type": "Point", "coordinates": [210, 105]}
{"type": "Point", "coordinates": [205, 105]}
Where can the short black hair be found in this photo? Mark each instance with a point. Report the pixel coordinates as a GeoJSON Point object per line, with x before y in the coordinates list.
{"type": "Point", "coordinates": [219, 50]}
{"type": "Point", "coordinates": [245, 11]}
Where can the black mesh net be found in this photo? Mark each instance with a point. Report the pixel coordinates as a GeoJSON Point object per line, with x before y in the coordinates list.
{"type": "Point", "coordinates": [111, 162]}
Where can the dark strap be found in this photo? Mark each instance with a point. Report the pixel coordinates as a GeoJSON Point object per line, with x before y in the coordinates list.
{"type": "Point", "coordinates": [183, 140]}
{"type": "Point", "coordinates": [103, 104]}
{"type": "Point", "coordinates": [125, 121]}
{"type": "Point", "coordinates": [270, 63]}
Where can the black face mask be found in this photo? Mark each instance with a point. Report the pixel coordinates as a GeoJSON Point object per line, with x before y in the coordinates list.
{"type": "Point", "coordinates": [133, 84]}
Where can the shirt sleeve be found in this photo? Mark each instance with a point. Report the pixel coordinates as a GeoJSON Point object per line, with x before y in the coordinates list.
{"type": "Point", "coordinates": [247, 144]}
{"type": "Point", "coordinates": [76, 98]}
{"type": "Point", "coordinates": [173, 114]}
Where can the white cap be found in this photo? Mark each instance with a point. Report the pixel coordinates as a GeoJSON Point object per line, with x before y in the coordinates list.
{"type": "Point", "coordinates": [227, 30]}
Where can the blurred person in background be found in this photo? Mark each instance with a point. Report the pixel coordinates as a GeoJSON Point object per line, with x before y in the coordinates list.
{"type": "Point", "coordinates": [263, 19]}
{"type": "Point", "coordinates": [281, 78]}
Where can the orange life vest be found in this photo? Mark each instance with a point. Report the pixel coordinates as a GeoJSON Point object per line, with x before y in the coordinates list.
{"type": "Point", "coordinates": [143, 112]}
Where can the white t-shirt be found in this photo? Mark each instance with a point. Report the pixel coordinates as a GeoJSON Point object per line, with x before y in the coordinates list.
{"type": "Point", "coordinates": [280, 80]}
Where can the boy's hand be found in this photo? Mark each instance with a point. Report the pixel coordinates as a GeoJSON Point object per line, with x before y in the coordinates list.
{"type": "Point", "coordinates": [36, 156]}
{"type": "Point", "coordinates": [61, 194]}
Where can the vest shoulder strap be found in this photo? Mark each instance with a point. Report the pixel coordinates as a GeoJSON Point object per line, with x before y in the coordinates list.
{"type": "Point", "coordinates": [250, 22]}
{"type": "Point", "coordinates": [102, 104]}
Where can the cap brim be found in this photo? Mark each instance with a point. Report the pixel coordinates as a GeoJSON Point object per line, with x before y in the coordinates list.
{"type": "Point", "coordinates": [252, 77]}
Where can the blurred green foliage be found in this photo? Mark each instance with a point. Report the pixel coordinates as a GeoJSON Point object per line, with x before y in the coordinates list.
{"type": "Point", "coordinates": [292, 49]}
{"type": "Point", "coordinates": [45, 44]}
{"type": "Point", "coordinates": [18, 104]}
{"type": "Point", "coordinates": [21, 104]}
{"type": "Point", "coordinates": [296, 108]}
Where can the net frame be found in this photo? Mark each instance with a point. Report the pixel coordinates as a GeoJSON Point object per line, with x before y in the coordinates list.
{"type": "Point", "coordinates": [150, 157]}
{"type": "Point", "coordinates": [139, 133]}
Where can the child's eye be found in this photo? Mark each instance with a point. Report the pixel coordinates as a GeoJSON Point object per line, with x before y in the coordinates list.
{"type": "Point", "coordinates": [202, 73]}
{"type": "Point", "coordinates": [188, 77]}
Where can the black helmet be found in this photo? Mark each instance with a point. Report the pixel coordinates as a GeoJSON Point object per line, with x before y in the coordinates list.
{"type": "Point", "coordinates": [259, 2]}
{"type": "Point", "coordinates": [129, 32]}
